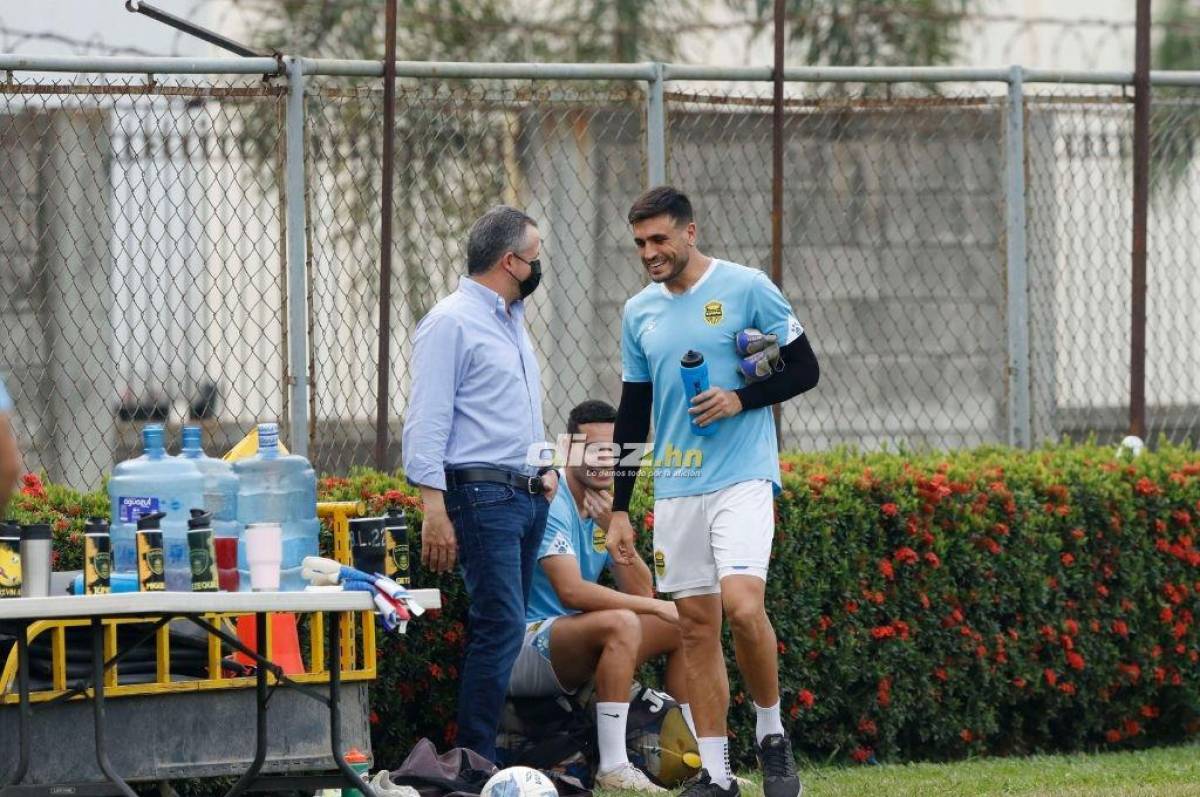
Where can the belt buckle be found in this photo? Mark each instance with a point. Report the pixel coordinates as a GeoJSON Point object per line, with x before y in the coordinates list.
{"type": "Point", "coordinates": [534, 485]}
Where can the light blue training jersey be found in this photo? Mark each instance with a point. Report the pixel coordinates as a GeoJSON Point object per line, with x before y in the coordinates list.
{"type": "Point", "coordinates": [567, 534]}
{"type": "Point", "coordinates": [658, 328]}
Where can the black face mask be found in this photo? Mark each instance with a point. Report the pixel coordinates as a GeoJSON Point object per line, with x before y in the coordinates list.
{"type": "Point", "coordinates": [530, 283]}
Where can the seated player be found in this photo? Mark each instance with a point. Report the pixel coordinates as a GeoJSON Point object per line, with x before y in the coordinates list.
{"type": "Point", "coordinates": [579, 630]}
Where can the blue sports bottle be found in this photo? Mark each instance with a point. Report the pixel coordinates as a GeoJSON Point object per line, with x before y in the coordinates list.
{"type": "Point", "coordinates": [695, 381]}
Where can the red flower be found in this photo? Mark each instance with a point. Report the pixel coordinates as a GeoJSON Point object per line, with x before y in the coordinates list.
{"type": "Point", "coordinates": [1077, 534]}
{"type": "Point", "coordinates": [883, 632]}
{"type": "Point", "coordinates": [932, 560]}
{"type": "Point", "coordinates": [851, 607]}
{"type": "Point", "coordinates": [884, 692]}
{"type": "Point", "coordinates": [1050, 676]}
{"type": "Point", "coordinates": [862, 754]}
{"type": "Point", "coordinates": [648, 521]}
{"type": "Point", "coordinates": [1067, 559]}
{"type": "Point", "coordinates": [806, 698]}
{"type": "Point", "coordinates": [886, 569]}
{"type": "Point", "coordinates": [1075, 661]}
{"type": "Point", "coordinates": [966, 735]}
{"type": "Point", "coordinates": [32, 486]}
{"type": "Point", "coordinates": [1019, 682]}
{"type": "Point", "coordinates": [867, 727]}
{"type": "Point", "coordinates": [1112, 736]}
{"type": "Point", "coordinates": [906, 556]}
{"type": "Point", "coordinates": [1131, 727]}
{"type": "Point", "coordinates": [1071, 627]}
{"type": "Point", "coordinates": [1145, 487]}
{"type": "Point", "coordinates": [436, 671]}
{"type": "Point", "coordinates": [1149, 712]}
{"type": "Point", "coordinates": [1166, 615]}
{"type": "Point", "coordinates": [1120, 628]}
{"type": "Point", "coordinates": [374, 719]}
{"type": "Point", "coordinates": [941, 674]}
{"type": "Point", "coordinates": [889, 509]}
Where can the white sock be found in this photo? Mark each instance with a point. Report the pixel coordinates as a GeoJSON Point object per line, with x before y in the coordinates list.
{"type": "Point", "coordinates": [769, 721]}
{"type": "Point", "coordinates": [610, 731]}
{"type": "Point", "coordinates": [714, 757]}
{"type": "Point", "coordinates": [686, 708]}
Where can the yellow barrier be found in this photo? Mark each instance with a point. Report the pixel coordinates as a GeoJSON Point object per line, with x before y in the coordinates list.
{"type": "Point", "coordinates": [353, 634]}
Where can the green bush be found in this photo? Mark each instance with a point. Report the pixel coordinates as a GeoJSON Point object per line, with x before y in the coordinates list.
{"type": "Point", "coordinates": [931, 607]}
{"type": "Point", "coordinates": [927, 606]}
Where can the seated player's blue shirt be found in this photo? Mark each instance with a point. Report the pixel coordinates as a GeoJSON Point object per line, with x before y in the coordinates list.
{"type": "Point", "coordinates": [658, 328]}
{"type": "Point", "coordinates": [5, 401]}
{"type": "Point", "coordinates": [567, 534]}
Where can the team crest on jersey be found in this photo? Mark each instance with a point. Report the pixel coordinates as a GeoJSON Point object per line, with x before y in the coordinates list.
{"type": "Point", "coordinates": [714, 312]}
{"type": "Point", "coordinates": [599, 539]}
{"type": "Point", "coordinates": [660, 563]}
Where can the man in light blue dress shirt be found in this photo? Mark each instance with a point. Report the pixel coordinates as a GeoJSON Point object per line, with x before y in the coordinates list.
{"type": "Point", "coordinates": [474, 414]}
{"type": "Point", "coordinates": [10, 458]}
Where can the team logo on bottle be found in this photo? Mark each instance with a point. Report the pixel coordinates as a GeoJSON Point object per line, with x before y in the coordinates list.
{"type": "Point", "coordinates": [660, 563]}
{"type": "Point", "coordinates": [714, 312]}
{"type": "Point", "coordinates": [599, 538]}
{"type": "Point", "coordinates": [200, 561]}
{"type": "Point", "coordinates": [154, 561]}
{"type": "Point", "coordinates": [102, 564]}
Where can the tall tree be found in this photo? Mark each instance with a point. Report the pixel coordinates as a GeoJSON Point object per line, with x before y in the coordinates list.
{"type": "Point", "coordinates": [870, 32]}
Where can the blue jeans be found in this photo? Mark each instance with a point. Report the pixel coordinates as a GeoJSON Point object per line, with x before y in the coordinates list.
{"type": "Point", "coordinates": [499, 530]}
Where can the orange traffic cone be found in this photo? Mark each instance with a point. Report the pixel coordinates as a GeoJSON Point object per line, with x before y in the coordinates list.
{"type": "Point", "coordinates": [285, 642]}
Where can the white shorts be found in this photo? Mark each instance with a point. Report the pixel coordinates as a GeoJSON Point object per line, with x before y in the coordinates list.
{"type": "Point", "coordinates": [533, 674]}
{"type": "Point", "coordinates": [701, 539]}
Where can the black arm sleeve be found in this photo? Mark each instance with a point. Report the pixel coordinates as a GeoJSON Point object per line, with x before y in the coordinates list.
{"type": "Point", "coordinates": [632, 426]}
{"type": "Point", "coordinates": [800, 373]}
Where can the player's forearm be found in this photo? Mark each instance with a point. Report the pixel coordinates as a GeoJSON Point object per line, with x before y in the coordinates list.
{"type": "Point", "coordinates": [588, 597]}
{"type": "Point", "coordinates": [634, 579]}
{"type": "Point", "coordinates": [800, 373]}
{"type": "Point", "coordinates": [631, 428]}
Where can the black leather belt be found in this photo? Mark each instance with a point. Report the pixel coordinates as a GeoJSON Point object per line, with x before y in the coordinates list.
{"type": "Point", "coordinates": [460, 476]}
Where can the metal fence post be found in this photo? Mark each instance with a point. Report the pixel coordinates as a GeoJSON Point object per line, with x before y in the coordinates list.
{"type": "Point", "coordinates": [297, 251]}
{"type": "Point", "coordinates": [656, 130]}
{"type": "Point", "coordinates": [1019, 422]}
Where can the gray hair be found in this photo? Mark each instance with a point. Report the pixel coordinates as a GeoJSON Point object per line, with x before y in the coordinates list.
{"type": "Point", "coordinates": [500, 230]}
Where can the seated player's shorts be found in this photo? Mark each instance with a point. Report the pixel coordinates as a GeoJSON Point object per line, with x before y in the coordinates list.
{"type": "Point", "coordinates": [701, 539]}
{"type": "Point", "coordinates": [533, 675]}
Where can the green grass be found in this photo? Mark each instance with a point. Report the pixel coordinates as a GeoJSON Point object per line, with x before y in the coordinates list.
{"type": "Point", "coordinates": [1170, 772]}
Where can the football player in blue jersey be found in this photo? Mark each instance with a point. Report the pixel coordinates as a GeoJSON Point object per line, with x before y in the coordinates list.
{"type": "Point", "coordinates": [714, 489]}
{"type": "Point", "coordinates": [578, 629]}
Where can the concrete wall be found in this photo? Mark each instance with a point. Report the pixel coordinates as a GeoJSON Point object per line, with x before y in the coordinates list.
{"type": "Point", "coordinates": [54, 198]}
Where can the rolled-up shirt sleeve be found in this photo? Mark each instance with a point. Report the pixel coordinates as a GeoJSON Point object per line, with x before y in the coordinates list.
{"type": "Point", "coordinates": [437, 364]}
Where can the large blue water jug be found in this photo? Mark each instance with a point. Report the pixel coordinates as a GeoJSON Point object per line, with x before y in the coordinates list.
{"type": "Point", "coordinates": [155, 482]}
{"type": "Point", "coordinates": [275, 488]}
{"type": "Point", "coordinates": [220, 484]}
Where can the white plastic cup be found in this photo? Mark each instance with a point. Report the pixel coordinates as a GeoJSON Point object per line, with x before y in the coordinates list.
{"type": "Point", "coordinates": [264, 554]}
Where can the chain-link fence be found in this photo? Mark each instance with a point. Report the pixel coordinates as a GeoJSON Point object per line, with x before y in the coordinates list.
{"type": "Point", "coordinates": [144, 230]}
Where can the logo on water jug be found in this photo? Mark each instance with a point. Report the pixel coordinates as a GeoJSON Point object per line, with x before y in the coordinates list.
{"type": "Point", "coordinates": [130, 508]}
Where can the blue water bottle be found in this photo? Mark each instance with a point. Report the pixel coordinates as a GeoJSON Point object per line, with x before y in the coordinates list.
{"type": "Point", "coordinates": [695, 381]}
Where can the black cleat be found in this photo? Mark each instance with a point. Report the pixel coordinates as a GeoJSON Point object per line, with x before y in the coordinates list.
{"type": "Point", "coordinates": [702, 786]}
{"type": "Point", "coordinates": [778, 766]}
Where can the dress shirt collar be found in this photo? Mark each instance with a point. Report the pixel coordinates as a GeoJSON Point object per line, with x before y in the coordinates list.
{"type": "Point", "coordinates": [489, 297]}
